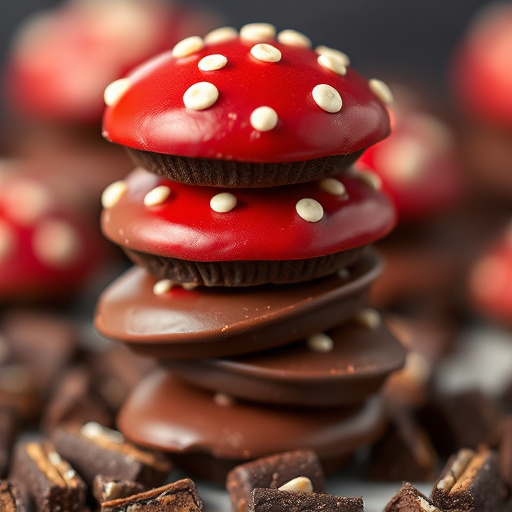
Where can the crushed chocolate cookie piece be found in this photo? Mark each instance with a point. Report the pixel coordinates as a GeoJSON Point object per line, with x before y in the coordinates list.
{"type": "Point", "coordinates": [94, 449]}
{"type": "Point", "coordinates": [272, 472]}
{"type": "Point", "coordinates": [409, 499]}
{"type": "Point", "coordinates": [470, 482]}
{"type": "Point", "coordinates": [46, 479]}
{"type": "Point", "coordinates": [274, 500]}
{"type": "Point", "coordinates": [180, 496]}
{"type": "Point", "coordinates": [10, 498]}
{"type": "Point", "coordinates": [105, 488]}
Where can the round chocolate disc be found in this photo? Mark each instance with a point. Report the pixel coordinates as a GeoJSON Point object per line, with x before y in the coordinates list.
{"type": "Point", "coordinates": [342, 366]}
{"type": "Point", "coordinates": [216, 322]}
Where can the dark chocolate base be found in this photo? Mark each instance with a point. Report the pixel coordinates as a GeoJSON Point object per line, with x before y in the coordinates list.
{"type": "Point", "coordinates": [230, 173]}
{"type": "Point", "coordinates": [244, 273]}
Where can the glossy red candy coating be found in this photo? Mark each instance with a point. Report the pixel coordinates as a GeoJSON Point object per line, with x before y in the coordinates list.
{"type": "Point", "coordinates": [264, 225]}
{"type": "Point", "coordinates": [151, 115]}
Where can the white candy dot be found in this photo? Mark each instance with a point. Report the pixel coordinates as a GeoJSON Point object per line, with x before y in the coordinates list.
{"type": "Point", "coordinates": [163, 286]}
{"type": "Point", "coordinates": [299, 484]}
{"type": "Point", "coordinates": [294, 38]}
{"type": "Point", "coordinates": [320, 342]}
{"type": "Point", "coordinates": [157, 196]}
{"type": "Point", "coordinates": [369, 318]}
{"type": "Point", "coordinates": [220, 35]}
{"type": "Point", "coordinates": [7, 240]}
{"type": "Point", "coordinates": [266, 52]}
{"type": "Point", "coordinates": [340, 56]}
{"type": "Point", "coordinates": [223, 202]}
{"type": "Point", "coordinates": [115, 90]}
{"type": "Point", "coordinates": [187, 47]}
{"type": "Point", "coordinates": [257, 31]}
{"type": "Point", "coordinates": [200, 96]}
{"type": "Point", "coordinates": [310, 210]}
{"type": "Point", "coordinates": [333, 186]}
{"type": "Point", "coordinates": [327, 98]}
{"type": "Point", "coordinates": [25, 200]}
{"type": "Point", "coordinates": [330, 62]}
{"type": "Point", "coordinates": [370, 178]}
{"type": "Point", "coordinates": [113, 193]}
{"type": "Point", "coordinates": [264, 119]}
{"type": "Point", "coordinates": [212, 62]}
{"type": "Point", "coordinates": [55, 242]}
{"type": "Point", "coordinates": [223, 400]}
{"type": "Point", "coordinates": [381, 90]}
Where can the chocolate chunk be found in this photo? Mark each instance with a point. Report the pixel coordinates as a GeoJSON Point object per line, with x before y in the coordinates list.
{"type": "Point", "coordinates": [274, 500]}
{"type": "Point", "coordinates": [45, 478]}
{"type": "Point", "coordinates": [459, 420]}
{"type": "Point", "coordinates": [408, 446]}
{"type": "Point", "coordinates": [74, 400]}
{"type": "Point", "coordinates": [10, 498]}
{"type": "Point", "coordinates": [409, 499]}
{"type": "Point", "coordinates": [105, 488]}
{"type": "Point", "coordinates": [9, 426]}
{"type": "Point", "coordinates": [272, 472]}
{"type": "Point", "coordinates": [180, 496]}
{"type": "Point", "coordinates": [469, 482]}
{"type": "Point", "coordinates": [94, 449]}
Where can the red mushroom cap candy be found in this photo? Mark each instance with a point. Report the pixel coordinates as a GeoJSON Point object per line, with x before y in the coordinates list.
{"type": "Point", "coordinates": [482, 71]}
{"type": "Point", "coordinates": [62, 59]}
{"type": "Point", "coordinates": [238, 237]}
{"type": "Point", "coordinates": [45, 251]}
{"type": "Point", "coordinates": [256, 109]}
{"type": "Point", "coordinates": [490, 282]}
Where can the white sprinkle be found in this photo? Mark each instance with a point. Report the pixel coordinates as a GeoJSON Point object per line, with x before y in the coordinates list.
{"type": "Point", "coordinates": [264, 119]}
{"type": "Point", "coordinates": [381, 90]}
{"type": "Point", "coordinates": [340, 56]}
{"type": "Point", "coordinates": [162, 287]}
{"type": "Point", "coordinates": [115, 90]}
{"type": "Point", "coordinates": [223, 400]}
{"type": "Point", "coordinates": [370, 178]}
{"type": "Point", "coordinates": [331, 62]}
{"type": "Point", "coordinates": [299, 484]}
{"type": "Point", "coordinates": [220, 35]}
{"type": "Point", "coordinates": [25, 200]}
{"type": "Point", "coordinates": [157, 196]}
{"type": "Point", "coordinates": [369, 318]}
{"type": "Point", "coordinates": [294, 38]}
{"type": "Point", "coordinates": [6, 240]}
{"type": "Point", "coordinates": [212, 62]}
{"type": "Point", "coordinates": [266, 52]}
{"type": "Point", "coordinates": [113, 193]}
{"type": "Point", "coordinates": [333, 186]}
{"type": "Point", "coordinates": [310, 210]}
{"type": "Point", "coordinates": [327, 98]}
{"type": "Point", "coordinates": [223, 202]}
{"type": "Point", "coordinates": [200, 96]}
{"type": "Point", "coordinates": [320, 342]}
{"type": "Point", "coordinates": [187, 47]}
{"type": "Point", "coordinates": [257, 31]}
{"type": "Point", "coordinates": [55, 242]}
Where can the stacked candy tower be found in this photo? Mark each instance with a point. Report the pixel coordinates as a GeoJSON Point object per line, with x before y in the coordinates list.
{"type": "Point", "coordinates": [251, 237]}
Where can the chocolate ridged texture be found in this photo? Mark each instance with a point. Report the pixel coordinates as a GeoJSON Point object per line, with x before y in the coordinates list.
{"type": "Point", "coordinates": [231, 173]}
{"type": "Point", "coordinates": [244, 273]}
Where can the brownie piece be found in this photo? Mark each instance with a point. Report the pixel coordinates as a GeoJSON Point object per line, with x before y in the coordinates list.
{"type": "Point", "coordinates": [10, 498]}
{"type": "Point", "coordinates": [180, 496]}
{"type": "Point", "coordinates": [93, 449]}
{"type": "Point", "coordinates": [470, 482]}
{"type": "Point", "coordinates": [272, 472]}
{"type": "Point", "coordinates": [409, 499]}
{"type": "Point", "coordinates": [105, 488]}
{"type": "Point", "coordinates": [46, 479]}
{"type": "Point", "coordinates": [274, 500]}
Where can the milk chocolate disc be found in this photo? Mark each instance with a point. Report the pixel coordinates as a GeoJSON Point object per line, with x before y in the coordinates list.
{"type": "Point", "coordinates": [305, 373]}
{"type": "Point", "coordinates": [170, 415]}
{"type": "Point", "coordinates": [217, 322]}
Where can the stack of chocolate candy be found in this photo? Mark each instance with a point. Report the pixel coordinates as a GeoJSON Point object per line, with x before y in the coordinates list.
{"type": "Point", "coordinates": [251, 237]}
